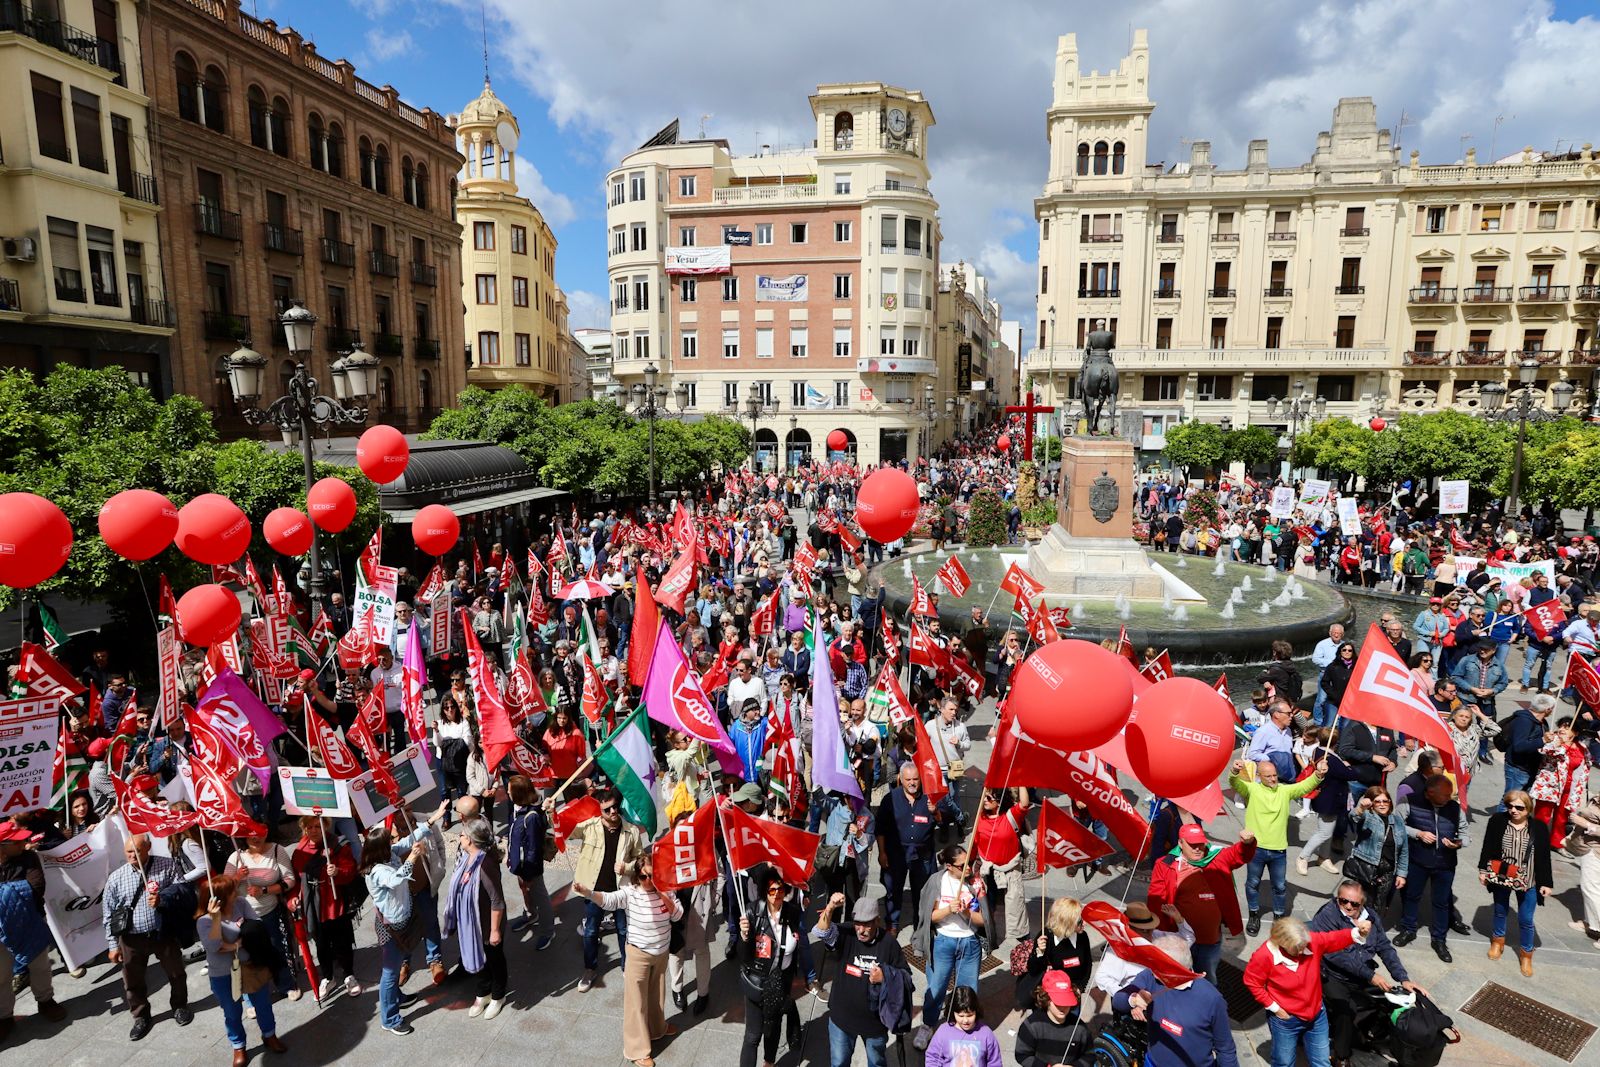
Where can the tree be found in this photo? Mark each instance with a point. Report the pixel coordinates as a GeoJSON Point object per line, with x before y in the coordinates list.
{"type": "Point", "coordinates": [1337, 448]}
{"type": "Point", "coordinates": [1253, 446]}
{"type": "Point", "coordinates": [1561, 465]}
{"type": "Point", "coordinates": [1194, 444]}
{"type": "Point", "coordinates": [986, 520]}
{"type": "Point", "coordinates": [1452, 444]}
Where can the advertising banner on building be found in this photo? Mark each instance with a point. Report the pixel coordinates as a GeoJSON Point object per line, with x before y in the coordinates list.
{"type": "Point", "coordinates": [789, 289]}
{"type": "Point", "coordinates": [698, 259]}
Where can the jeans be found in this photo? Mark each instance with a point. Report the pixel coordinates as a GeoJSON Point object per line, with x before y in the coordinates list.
{"type": "Point", "coordinates": [233, 1011]}
{"type": "Point", "coordinates": [1537, 652]}
{"type": "Point", "coordinates": [389, 986]}
{"type": "Point", "coordinates": [1275, 861]}
{"type": "Point", "coordinates": [1322, 713]}
{"type": "Point", "coordinates": [1442, 878]}
{"type": "Point", "coordinates": [895, 878]}
{"type": "Point", "coordinates": [1204, 959]}
{"type": "Point", "coordinates": [841, 1046]}
{"type": "Point", "coordinates": [1527, 900]}
{"type": "Point", "coordinates": [1516, 778]}
{"type": "Point", "coordinates": [432, 942]}
{"type": "Point", "coordinates": [1287, 1035]}
{"type": "Point", "coordinates": [1323, 834]}
{"type": "Point", "coordinates": [589, 930]}
{"type": "Point", "coordinates": [957, 954]}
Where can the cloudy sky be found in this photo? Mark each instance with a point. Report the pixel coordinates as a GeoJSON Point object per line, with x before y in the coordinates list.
{"type": "Point", "coordinates": [589, 81]}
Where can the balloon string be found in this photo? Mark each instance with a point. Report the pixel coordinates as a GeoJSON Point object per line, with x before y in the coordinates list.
{"type": "Point", "coordinates": [1121, 906]}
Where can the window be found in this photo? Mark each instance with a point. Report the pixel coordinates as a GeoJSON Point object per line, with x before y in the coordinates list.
{"type": "Point", "coordinates": [1101, 150]}
{"type": "Point", "coordinates": [619, 190]}
{"type": "Point", "coordinates": [519, 292]}
{"type": "Point", "coordinates": [49, 119]}
{"type": "Point", "coordinates": [1337, 388]}
{"type": "Point", "coordinates": [1161, 387]}
{"type": "Point", "coordinates": [913, 235]}
{"type": "Point", "coordinates": [334, 157]}
{"type": "Point", "coordinates": [414, 186]}
{"type": "Point", "coordinates": [65, 261]}
{"type": "Point", "coordinates": [730, 394]}
{"type": "Point", "coordinates": [911, 345]}
{"type": "Point", "coordinates": [763, 343]}
{"type": "Point", "coordinates": [1350, 275]}
{"type": "Point", "coordinates": [1543, 273]}
{"type": "Point", "coordinates": [730, 289]}
{"type": "Point", "coordinates": [1546, 218]}
{"type": "Point", "coordinates": [685, 236]}
{"type": "Point", "coordinates": [799, 342]}
{"type": "Point", "coordinates": [886, 340]}
{"type": "Point", "coordinates": [1221, 275]}
{"type": "Point", "coordinates": [1164, 333]}
{"type": "Point", "coordinates": [636, 186]}
{"type": "Point", "coordinates": [619, 295]}
{"type": "Point", "coordinates": [689, 345]}
{"type": "Point", "coordinates": [730, 345]}
{"type": "Point", "coordinates": [1219, 332]}
{"type": "Point", "coordinates": [619, 240]}
{"type": "Point", "coordinates": [841, 341]}
{"type": "Point", "coordinates": [641, 292]}
{"type": "Point", "coordinates": [1118, 156]}
{"type": "Point", "coordinates": [1479, 340]}
{"type": "Point", "coordinates": [763, 233]}
{"type": "Point", "coordinates": [841, 286]}
{"type": "Point", "coordinates": [519, 240]}
{"type": "Point", "coordinates": [686, 185]}
{"type": "Point", "coordinates": [1274, 331]}
{"type": "Point", "coordinates": [1269, 387]}
{"type": "Point", "coordinates": [797, 233]}
{"type": "Point", "coordinates": [1355, 222]}
{"type": "Point", "coordinates": [1433, 222]}
{"type": "Point", "coordinates": [797, 394]}
{"type": "Point", "coordinates": [621, 346]}
{"type": "Point", "coordinates": [842, 232]}
{"type": "Point", "coordinates": [102, 266]}
{"type": "Point", "coordinates": [86, 130]}
{"type": "Point", "coordinates": [1344, 334]}
{"type": "Point", "coordinates": [1283, 223]}
{"type": "Point", "coordinates": [841, 185]}
{"type": "Point", "coordinates": [488, 349]}
{"type": "Point", "coordinates": [1489, 218]}
{"type": "Point", "coordinates": [728, 230]}
{"type": "Point", "coordinates": [483, 236]}
{"type": "Point", "coordinates": [524, 350]}
{"type": "Point", "coordinates": [1278, 278]}
{"type": "Point", "coordinates": [889, 286]}
{"type": "Point", "coordinates": [1425, 340]}
{"type": "Point", "coordinates": [487, 290]}
{"type": "Point", "coordinates": [897, 389]}
{"type": "Point", "coordinates": [1532, 340]}
{"type": "Point", "coordinates": [1083, 157]}
{"type": "Point", "coordinates": [691, 394]}
{"type": "Point", "coordinates": [641, 344]}
{"type": "Point", "coordinates": [687, 290]}
{"type": "Point", "coordinates": [1225, 224]}
{"type": "Point", "coordinates": [889, 233]}
{"type": "Point", "coordinates": [1166, 280]}
{"type": "Point", "coordinates": [914, 289]}
{"type": "Point", "coordinates": [1169, 228]}
{"type": "Point", "coordinates": [1213, 387]}
{"type": "Point", "coordinates": [639, 237]}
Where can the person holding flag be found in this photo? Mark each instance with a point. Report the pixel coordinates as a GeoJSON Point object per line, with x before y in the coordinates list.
{"type": "Point", "coordinates": [952, 934]}
{"type": "Point", "coordinates": [609, 850]}
{"type": "Point", "coordinates": [1197, 880]}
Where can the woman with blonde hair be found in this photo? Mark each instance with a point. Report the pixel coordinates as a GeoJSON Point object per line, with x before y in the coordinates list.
{"type": "Point", "coordinates": [1285, 977]}
{"type": "Point", "coordinates": [1063, 946]}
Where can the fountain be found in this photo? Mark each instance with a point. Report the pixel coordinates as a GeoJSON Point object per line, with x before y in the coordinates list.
{"type": "Point", "coordinates": [1166, 600]}
{"type": "Point", "coordinates": [1227, 611]}
{"type": "Point", "coordinates": [1269, 575]}
{"type": "Point", "coordinates": [1182, 562]}
{"type": "Point", "coordinates": [1244, 583]}
{"type": "Point", "coordinates": [1180, 613]}
{"type": "Point", "coordinates": [1283, 598]}
{"type": "Point", "coordinates": [1124, 607]}
{"type": "Point", "coordinates": [1237, 596]}
{"type": "Point", "coordinates": [1265, 608]}
{"type": "Point", "coordinates": [1298, 591]}
{"type": "Point", "coordinates": [1220, 569]}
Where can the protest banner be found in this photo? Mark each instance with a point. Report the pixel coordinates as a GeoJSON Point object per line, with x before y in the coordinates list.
{"type": "Point", "coordinates": [28, 736]}
{"type": "Point", "coordinates": [313, 791]}
{"type": "Point", "coordinates": [411, 774]}
{"type": "Point", "coordinates": [75, 875]}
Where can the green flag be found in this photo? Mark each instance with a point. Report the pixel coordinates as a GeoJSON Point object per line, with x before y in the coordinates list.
{"type": "Point", "coordinates": [627, 760]}
{"type": "Point", "coordinates": [54, 635]}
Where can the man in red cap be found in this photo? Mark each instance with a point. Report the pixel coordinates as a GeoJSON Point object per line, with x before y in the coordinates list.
{"type": "Point", "coordinates": [1198, 880]}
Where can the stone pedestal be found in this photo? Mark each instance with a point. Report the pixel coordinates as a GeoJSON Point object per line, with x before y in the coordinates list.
{"type": "Point", "coordinates": [1096, 495]}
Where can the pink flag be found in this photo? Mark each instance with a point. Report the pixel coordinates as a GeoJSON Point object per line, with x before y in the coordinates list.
{"type": "Point", "coordinates": [413, 673]}
{"type": "Point", "coordinates": [242, 722]}
{"type": "Point", "coordinates": [674, 697]}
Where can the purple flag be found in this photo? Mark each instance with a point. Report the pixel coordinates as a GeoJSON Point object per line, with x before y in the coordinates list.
{"type": "Point", "coordinates": [830, 764]}
{"type": "Point", "coordinates": [674, 697]}
{"type": "Point", "coordinates": [243, 722]}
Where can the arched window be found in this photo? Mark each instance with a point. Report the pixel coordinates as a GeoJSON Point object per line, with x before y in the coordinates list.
{"type": "Point", "coordinates": [1083, 157]}
{"type": "Point", "coordinates": [380, 170]}
{"type": "Point", "coordinates": [188, 86]}
{"type": "Point", "coordinates": [408, 180]}
{"type": "Point", "coordinates": [368, 162]}
{"type": "Point", "coordinates": [488, 160]}
{"type": "Point", "coordinates": [420, 183]}
{"type": "Point", "coordinates": [260, 135]}
{"type": "Point", "coordinates": [1118, 157]}
{"type": "Point", "coordinates": [335, 145]}
{"type": "Point", "coordinates": [386, 391]}
{"type": "Point", "coordinates": [214, 99]}
{"type": "Point", "coordinates": [1100, 149]}
{"type": "Point", "coordinates": [844, 131]}
{"type": "Point", "coordinates": [425, 393]}
{"type": "Point", "coordinates": [278, 126]}
{"type": "Point", "coordinates": [316, 142]}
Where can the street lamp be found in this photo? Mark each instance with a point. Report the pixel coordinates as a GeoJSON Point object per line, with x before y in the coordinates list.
{"type": "Point", "coordinates": [1298, 410]}
{"type": "Point", "coordinates": [1523, 412]}
{"type": "Point", "coordinates": [758, 408]}
{"type": "Point", "coordinates": [794, 423]}
{"type": "Point", "coordinates": [302, 407]}
{"type": "Point", "coordinates": [648, 398]}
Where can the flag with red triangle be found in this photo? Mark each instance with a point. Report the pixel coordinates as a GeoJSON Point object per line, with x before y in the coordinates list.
{"type": "Point", "coordinates": [1159, 669]}
{"type": "Point", "coordinates": [953, 576]}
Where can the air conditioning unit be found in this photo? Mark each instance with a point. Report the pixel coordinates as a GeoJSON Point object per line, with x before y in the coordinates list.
{"type": "Point", "coordinates": [21, 249]}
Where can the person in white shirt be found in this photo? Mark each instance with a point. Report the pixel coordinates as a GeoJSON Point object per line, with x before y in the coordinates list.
{"type": "Point", "coordinates": [1115, 972]}
{"type": "Point", "coordinates": [746, 684]}
{"type": "Point", "coordinates": [1321, 657]}
{"type": "Point", "coordinates": [650, 915]}
{"type": "Point", "coordinates": [950, 740]}
{"type": "Point", "coordinates": [389, 674]}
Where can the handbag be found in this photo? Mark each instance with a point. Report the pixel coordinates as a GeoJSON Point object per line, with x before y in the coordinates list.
{"type": "Point", "coordinates": [1021, 953]}
{"type": "Point", "coordinates": [121, 922]}
{"type": "Point", "coordinates": [828, 857]}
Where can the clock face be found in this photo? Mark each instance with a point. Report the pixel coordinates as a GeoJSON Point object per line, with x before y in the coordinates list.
{"type": "Point", "coordinates": [897, 122]}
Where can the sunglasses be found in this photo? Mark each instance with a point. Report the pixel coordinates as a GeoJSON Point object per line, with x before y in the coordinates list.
{"type": "Point", "coordinates": [1516, 807]}
{"type": "Point", "coordinates": [609, 811]}
{"type": "Point", "coordinates": [1346, 902]}
{"type": "Point", "coordinates": [774, 890]}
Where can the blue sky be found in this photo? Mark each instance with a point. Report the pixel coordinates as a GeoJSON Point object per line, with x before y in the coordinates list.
{"type": "Point", "coordinates": [588, 81]}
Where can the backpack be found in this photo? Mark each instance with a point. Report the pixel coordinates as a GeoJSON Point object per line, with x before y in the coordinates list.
{"type": "Point", "coordinates": [525, 849]}
{"type": "Point", "coordinates": [1421, 1033]}
{"type": "Point", "coordinates": [1502, 740]}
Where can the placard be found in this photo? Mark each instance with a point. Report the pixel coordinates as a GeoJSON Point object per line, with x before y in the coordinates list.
{"type": "Point", "coordinates": [1313, 496]}
{"type": "Point", "coordinates": [168, 653]}
{"type": "Point", "coordinates": [380, 602]}
{"type": "Point", "coordinates": [75, 876]}
{"type": "Point", "coordinates": [29, 732]}
{"type": "Point", "coordinates": [1349, 517]}
{"type": "Point", "coordinates": [1453, 497]}
{"type": "Point", "coordinates": [411, 773]}
{"type": "Point", "coordinates": [439, 624]}
{"type": "Point", "coordinates": [311, 791]}
{"type": "Point", "coordinates": [1282, 502]}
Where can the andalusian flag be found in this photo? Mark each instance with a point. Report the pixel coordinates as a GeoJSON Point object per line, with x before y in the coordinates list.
{"type": "Point", "coordinates": [591, 644]}
{"type": "Point", "coordinates": [627, 760]}
{"type": "Point", "coordinates": [54, 635]}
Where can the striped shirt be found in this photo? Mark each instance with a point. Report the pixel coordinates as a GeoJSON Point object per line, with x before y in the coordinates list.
{"type": "Point", "coordinates": [127, 887]}
{"type": "Point", "coordinates": [649, 922]}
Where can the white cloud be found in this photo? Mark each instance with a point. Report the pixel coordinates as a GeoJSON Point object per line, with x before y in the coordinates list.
{"type": "Point", "coordinates": [557, 208]}
{"type": "Point", "coordinates": [586, 310]}
{"type": "Point", "coordinates": [384, 45]}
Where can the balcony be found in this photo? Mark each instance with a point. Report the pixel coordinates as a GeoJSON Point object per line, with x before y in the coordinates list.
{"type": "Point", "coordinates": [339, 253]}
{"type": "Point", "coordinates": [1543, 294]}
{"type": "Point", "coordinates": [1350, 290]}
{"type": "Point", "coordinates": [1277, 291]}
{"type": "Point", "coordinates": [225, 326]}
{"type": "Point", "coordinates": [1481, 357]}
{"type": "Point", "coordinates": [1486, 294]}
{"type": "Point", "coordinates": [388, 344]}
{"type": "Point", "coordinates": [340, 339]}
{"type": "Point", "coordinates": [152, 313]}
{"type": "Point", "coordinates": [383, 264]}
{"type": "Point", "coordinates": [1069, 358]}
{"type": "Point", "coordinates": [1169, 237]}
{"type": "Point", "coordinates": [10, 295]}
{"type": "Point", "coordinates": [1220, 293]}
{"type": "Point", "coordinates": [1588, 293]}
{"type": "Point", "coordinates": [1545, 357]}
{"type": "Point", "coordinates": [754, 194]}
{"type": "Point", "coordinates": [1588, 357]}
{"type": "Point", "coordinates": [1097, 293]}
{"type": "Point", "coordinates": [82, 44]}
{"type": "Point", "coordinates": [1427, 357]}
{"type": "Point", "coordinates": [1100, 238]}
{"type": "Point", "coordinates": [139, 187]}
{"type": "Point", "coordinates": [1433, 294]}
{"type": "Point", "coordinates": [1167, 292]}
{"type": "Point", "coordinates": [1225, 237]}
{"type": "Point", "coordinates": [1283, 236]}
{"type": "Point", "coordinates": [212, 221]}
{"type": "Point", "coordinates": [426, 347]}
{"type": "Point", "coordinates": [1354, 231]}
{"type": "Point", "coordinates": [424, 274]}
{"type": "Point", "coordinates": [279, 238]}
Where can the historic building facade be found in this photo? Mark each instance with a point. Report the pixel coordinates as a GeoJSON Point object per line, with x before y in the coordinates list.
{"type": "Point", "coordinates": [1377, 283]}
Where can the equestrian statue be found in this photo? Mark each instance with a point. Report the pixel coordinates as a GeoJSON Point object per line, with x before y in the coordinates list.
{"type": "Point", "coordinates": [1097, 381]}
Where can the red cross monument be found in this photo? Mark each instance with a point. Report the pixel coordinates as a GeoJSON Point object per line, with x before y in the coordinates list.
{"type": "Point", "coordinates": [1028, 411]}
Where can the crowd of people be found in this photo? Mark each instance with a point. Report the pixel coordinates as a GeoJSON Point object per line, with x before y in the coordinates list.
{"type": "Point", "coordinates": [899, 880]}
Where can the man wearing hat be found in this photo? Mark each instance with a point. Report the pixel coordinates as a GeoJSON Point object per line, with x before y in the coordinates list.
{"type": "Point", "coordinates": [1114, 972]}
{"type": "Point", "coordinates": [1188, 1024]}
{"type": "Point", "coordinates": [101, 791]}
{"type": "Point", "coordinates": [1198, 880]}
{"type": "Point", "coordinates": [869, 963]}
{"type": "Point", "coordinates": [24, 938]}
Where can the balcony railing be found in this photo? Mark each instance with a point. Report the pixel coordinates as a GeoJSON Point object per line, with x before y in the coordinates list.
{"type": "Point", "coordinates": [1099, 292]}
{"type": "Point", "coordinates": [1486, 294]}
{"type": "Point", "coordinates": [1225, 237]}
{"type": "Point", "coordinates": [1588, 292]}
{"type": "Point", "coordinates": [1350, 290]}
{"type": "Point", "coordinates": [212, 221]}
{"type": "Point", "coordinates": [1219, 292]}
{"type": "Point", "coordinates": [1282, 236]}
{"type": "Point", "coordinates": [100, 51]}
{"type": "Point", "coordinates": [1167, 237]}
{"type": "Point", "coordinates": [1589, 357]}
{"type": "Point", "coordinates": [1427, 357]}
{"type": "Point", "coordinates": [139, 187]}
{"type": "Point", "coordinates": [1481, 357]}
{"type": "Point", "coordinates": [383, 263]}
{"type": "Point", "coordinates": [10, 295]}
{"type": "Point", "coordinates": [106, 298]}
{"type": "Point", "coordinates": [1277, 290]}
{"type": "Point", "coordinates": [225, 325]}
{"type": "Point", "coordinates": [388, 344]}
{"type": "Point", "coordinates": [1167, 292]}
{"type": "Point", "coordinates": [283, 239]}
{"type": "Point", "coordinates": [1354, 231]}
{"type": "Point", "coordinates": [340, 338]}
{"type": "Point", "coordinates": [1102, 238]}
{"type": "Point", "coordinates": [1545, 357]}
{"type": "Point", "coordinates": [1433, 294]}
{"type": "Point", "coordinates": [424, 274]}
{"type": "Point", "coordinates": [339, 253]}
{"type": "Point", "coordinates": [426, 347]}
{"type": "Point", "coordinates": [152, 313]}
{"type": "Point", "coordinates": [1533, 294]}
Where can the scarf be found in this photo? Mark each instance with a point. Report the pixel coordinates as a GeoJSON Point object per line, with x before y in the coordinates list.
{"type": "Point", "coordinates": [461, 915]}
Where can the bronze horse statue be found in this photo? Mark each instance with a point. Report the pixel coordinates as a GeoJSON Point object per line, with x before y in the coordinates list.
{"type": "Point", "coordinates": [1097, 381]}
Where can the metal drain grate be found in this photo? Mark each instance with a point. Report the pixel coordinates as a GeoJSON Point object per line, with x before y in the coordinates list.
{"type": "Point", "coordinates": [1528, 1020]}
{"type": "Point", "coordinates": [1230, 983]}
{"type": "Point", "coordinates": [991, 962]}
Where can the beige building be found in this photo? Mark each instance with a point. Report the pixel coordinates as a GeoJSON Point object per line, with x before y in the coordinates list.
{"type": "Point", "coordinates": [596, 350]}
{"type": "Point", "coordinates": [968, 350]}
{"type": "Point", "coordinates": [805, 277]}
{"type": "Point", "coordinates": [80, 275]}
{"type": "Point", "coordinates": [508, 258]}
{"type": "Point", "coordinates": [1373, 282]}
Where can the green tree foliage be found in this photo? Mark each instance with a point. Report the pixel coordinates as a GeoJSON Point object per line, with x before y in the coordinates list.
{"type": "Point", "coordinates": [1253, 446]}
{"type": "Point", "coordinates": [79, 437]}
{"type": "Point", "coordinates": [1561, 463]}
{"type": "Point", "coordinates": [1338, 448]}
{"type": "Point", "coordinates": [986, 521]}
{"type": "Point", "coordinates": [1191, 445]}
{"type": "Point", "coordinates": [1203, 506]}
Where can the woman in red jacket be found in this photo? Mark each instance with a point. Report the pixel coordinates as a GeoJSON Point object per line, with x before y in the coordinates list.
{"type": "Point", "coordinates": [325, 897]}
{"type": "Point", "coordinates": [1285, 975]}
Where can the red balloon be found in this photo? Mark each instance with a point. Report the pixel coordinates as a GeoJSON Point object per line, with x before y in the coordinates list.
{"type": "Point", "coordinates": [838, 441]}
{"type": "Point", "coordinates": [1180, 738]}
{"type": "Point", "coordinates": [289, 531]}
{"type": "Point", "coordinates": [207, 615]}
{"type": "Point", "coordinates": [1003, 443]}
{"type": "Point", "coordinates": [138, 523]}
{"type": "Point", "coordinates": [331, 503]}
{"type": "Point", "coordinates": [35, 540]}
{"type": "Point", "coordinates": [382, 454]}
{"type": "Point", "coordinates": [436, 529]}
{"type": "Point", "coordinates": [212, 529]}
{"type": "Point", "coordinates": [1377, 424]}
{"type": "Point", "coordinates": [1071, 695]}
{"type": "Point", "coordinates": [886, 504]}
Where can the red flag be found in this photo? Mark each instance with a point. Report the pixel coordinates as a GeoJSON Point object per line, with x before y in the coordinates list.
{"type": "Point", "coordinates": [477, 560]}
{"type": "Point", "coordinates": [1064, 841]}
{"type": "Point", "coordinates": [321, 635]}
{"type": "Point", "coordinates": [1041, 627]}
{"type": "Point", "coordinates": [595, 698]}
{"type": "Point", "coordinates": [144, 816]}
{"type": "Point", "coordinates": [377, 761]}
{"type": "Point", "coordinates": [1159, 669]}
{"type": "Point", "coordinates": [953, 576]}
{"type": "Point", "coordinates": [209, 746]}
{"type": "Point", "coordinates": [226, 573]}
{"type": "Point", "coordinates": [258, 588]}
{"type": "Point", "coordinates": [1545, 619]}
{"type": "Point", "coordinates": [900, 710]}
{"type": "Point", "coordinates": [790, 850]}
{"type": "Point", "coordinates": [923, 651]}
{"type": "Point", "coordinates": [570, 815]}
{"type": "Point", "coordinates": [1384, 692]}
{"type": "Point", "coordinates": [522, 694]}
{"type": "Point", "coordinates": [218, 807]}
{"type": "Point", "coordinates": [927, 760]}
{"type": "Point", "coordinates": [44, 675]}
{"type": "Point", "coordinates": [1062, 617]}
{"type": "Point", "coordinates": [970, 677]}
{"type": "Point", "coordinates": [677, 583]}
{"type": "Point", "coordinates": [1125, 648]}
{"type": "Point", "coordinates": [716, 675]}
{"type": "Point", "coordinates": [533, 765]}
{"type": "Point", "coordinates": [765, 618]}
{"type": "Point", "coordinates": [920, 602]}
{"type": "Point", "coordinates": [1131, 945]}
{"type": "Point", "coordinates": [848, 538]}
{"type": "Point", "coordinates": [337, 758]}
{"type": "Point", "coordinates": [1019, 582]}
{"type": "Point", "coordinates": [686, 854]}
{"type": "Point", "coordinates": [1582, 676]}
{"type": "Point", "coordinates": [169, 603]}
{"type": "Point", "coordinates": [494, 721]}
{"type": "Point", "coordinates": [891, 637]}
{"type": "Point", "coordinates": [538, 611]}
{"type": "Point", "coordinates": [1221, 686]}
{"type": "Point", "coordinates": [646, 620]}
{"type": "Point", "coordinates": [432, 585]}
{"type": "Point", "coordinates": [558, 552]}
{"type": "Point", "coordinates": [356, 648]}
{"type": "Point", "coordinates": [372, 711]}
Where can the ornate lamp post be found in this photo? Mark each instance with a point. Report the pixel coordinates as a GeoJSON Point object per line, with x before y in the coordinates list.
{"type": "Point", "coordinates": [1523, 412]}
{"type": "Point", "coordinates": [302, 407]}
{"type": "Point", "coordinates": [757, 409]}
{"type": "Point", "coordinates": [1298, 410]}
{"type": "Point", "coordinates": [648, 400]}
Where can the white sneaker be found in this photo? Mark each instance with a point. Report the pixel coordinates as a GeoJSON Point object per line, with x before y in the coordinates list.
{"type": "Point", "coordinates": [1329, 866]}
{"type": "Point", "coordinates": [494, 1008]}
{"type": "Point", "coordinates": [1300, 865]}
{"type": "Point", "coordinates": [477, 1007]}
{"type": "Point", "coordinates": [324, 987]}
{"type": "Point", "coordinates": [351, 986]}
